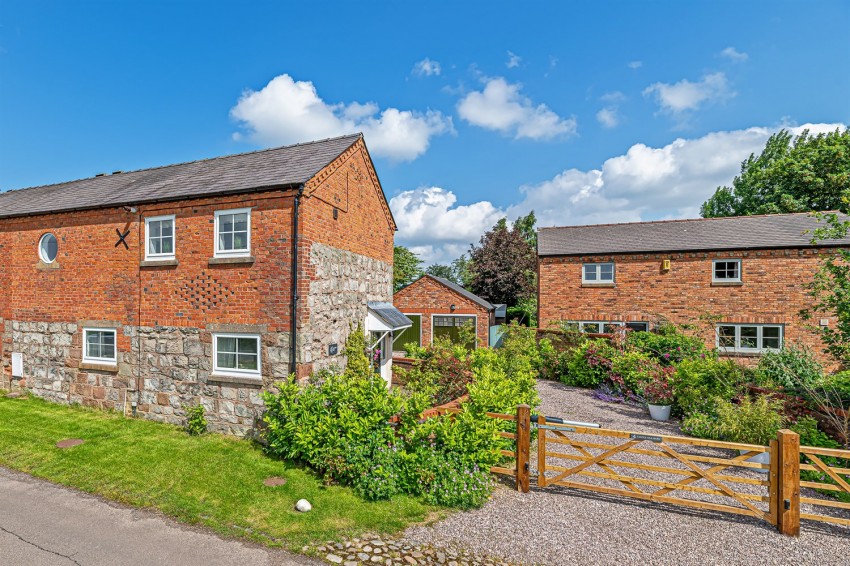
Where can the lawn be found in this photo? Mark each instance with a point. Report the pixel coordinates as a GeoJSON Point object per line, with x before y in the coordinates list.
{"type": "Point", "coordinates": [211, 480]}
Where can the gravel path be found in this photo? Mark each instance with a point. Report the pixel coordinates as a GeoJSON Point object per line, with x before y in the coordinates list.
{"type": "Point", "coordinates": [559, 525]}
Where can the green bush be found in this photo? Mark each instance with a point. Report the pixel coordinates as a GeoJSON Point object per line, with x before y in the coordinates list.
{"type": "Point", "coordinates": [668, 344]}
{"type": "Point", "coordinates": [631, 369]}
{"type": "Point", "coordinates": [196, 421]}
{"type": "Point", "coordinates": [791, 367]}
{"type": "Point", "coordinates": [751, 421]}
{"type": "Point", "coordinates": [697, 384]}
{"type": "Point", "coordinates": [702, 425]}
{"type": "Point", "coordinates": [589, 364]}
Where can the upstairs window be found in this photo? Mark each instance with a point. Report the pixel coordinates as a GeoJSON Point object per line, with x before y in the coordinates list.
{"type": "Point", "coordinates": [749, 337]}
{"type": "Point", "coordinates": [48, 248]}
{"type": "Point", "coordinates": [726, 271]}
{"type": "Point", "coordinates": [233, 232]}
{"type": "Point", "coordinates": [159, 234]}
{"type": "Point", "coordinates": [597, 273]}
{"type": "Point", "coordinates": [99, 345]}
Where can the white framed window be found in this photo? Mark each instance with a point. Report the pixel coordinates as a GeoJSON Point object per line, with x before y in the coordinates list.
{"type": "Point", "coordinates": [597, 272]}
{"type": "Point", "coordinates": [603, 326]}
{"type": "Point", "coordinates": [237, 355]}
{"type": "Point", "coordinates": [159, 237]}
{"type": "Point", "coordinates": [99, 345]}
{"type": "Point", "coordinates": [749, 337]}
{"type": "Point", "coordinates": [48, 248]}
{"type": "Point", "coordinates": [726, 271]}
{"type": "Point", "coordinates": [233, 232]}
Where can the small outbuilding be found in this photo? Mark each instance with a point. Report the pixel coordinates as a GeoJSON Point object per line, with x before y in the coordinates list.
{"type": "Point", "coordinates": [439, 307]}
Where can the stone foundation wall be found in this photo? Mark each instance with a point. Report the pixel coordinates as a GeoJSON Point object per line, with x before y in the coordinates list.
{"type": "Point", "coordinates": [165, 370]}
{"type": "Point", "coordinates": [341, 284]}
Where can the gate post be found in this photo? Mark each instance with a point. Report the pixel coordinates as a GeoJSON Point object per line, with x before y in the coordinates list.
{"type": "Point", "coordinates": [523, 447]}
{"type": "Point", "coordinates": [787, 501]}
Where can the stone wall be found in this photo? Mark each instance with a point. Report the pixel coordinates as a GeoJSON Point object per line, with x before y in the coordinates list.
{"type": "Point", "coordinates": [341, 283]}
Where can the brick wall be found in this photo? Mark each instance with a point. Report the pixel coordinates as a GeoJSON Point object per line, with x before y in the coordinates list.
{"type": "Point", "coordinates": [772, 290]}
{"type": "Point", "coordinates": [428, 297]}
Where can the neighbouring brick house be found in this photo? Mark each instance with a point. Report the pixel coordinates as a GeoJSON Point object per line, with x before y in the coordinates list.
{"type": "Point", "coordinates": [154, 289]}
{"type": "Point", "coordinates": [749, 272]}
{"type": "Point", "coordinates": [438, 307]}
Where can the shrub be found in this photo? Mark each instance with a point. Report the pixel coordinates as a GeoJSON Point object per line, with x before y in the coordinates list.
{"type": "Point", "coordinates": [751, 421]}
{"type": "Point", "coordinates": [455, 484]}
{"type": "Point", "coordinates": [701, 425]}
{"type": "Point", "coordinates": [658, 390]}
{"type": "Point", "coordinates": [630, 370]}
{"type": "Point", "coordinates": [668, 344]}
{"type": "Point", "coordinates": [443, 372]}
{"type": "Point", "coordinates": [790, 367]}
{"type": "Point", "coordinates": [196, 421]}
{"type": "Point", "coordinates": [589, 364]}
{"type": "Point", "coordinates": [698, 382]}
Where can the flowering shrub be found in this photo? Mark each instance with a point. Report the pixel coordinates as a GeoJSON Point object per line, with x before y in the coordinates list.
{"type": "Point", "coordinates": [658, 389]}
{"type": "Point", "coordinates": [669, 344]}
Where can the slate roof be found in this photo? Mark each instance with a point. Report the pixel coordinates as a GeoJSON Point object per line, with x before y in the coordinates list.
{"type": "Point", "coordinates": [701, 234]}
{"type": "Point", "coordinates": [461, 291]}
{"type": "Point", "coordinates": [390, 315]}
{"type": "Point", "coordinates": [281, 167]}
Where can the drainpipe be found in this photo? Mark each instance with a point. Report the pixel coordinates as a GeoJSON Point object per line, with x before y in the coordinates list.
{"type": "Point", "coordinates": [293, 333]}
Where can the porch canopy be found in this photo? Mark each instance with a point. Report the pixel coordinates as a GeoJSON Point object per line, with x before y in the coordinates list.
{"type": "Point", "coordinates": [384, 318]}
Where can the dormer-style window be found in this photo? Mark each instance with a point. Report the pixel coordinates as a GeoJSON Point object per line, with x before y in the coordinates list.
{"type": "Point", "coordinates": [233, 232]}
{"type": "Point", "coordinates": [598, 273]}
{"type": "Point", "coordinates": [726, 271]}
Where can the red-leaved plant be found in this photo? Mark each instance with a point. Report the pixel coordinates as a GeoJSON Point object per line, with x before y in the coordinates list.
{"type": "Point", "coordinates": [658, 390]}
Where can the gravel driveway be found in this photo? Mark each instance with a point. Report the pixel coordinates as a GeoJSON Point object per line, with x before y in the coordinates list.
{"type": "Point", "coordinates": [559, 525]}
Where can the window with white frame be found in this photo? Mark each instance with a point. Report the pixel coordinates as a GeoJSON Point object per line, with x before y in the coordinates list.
{"type": "Point", "coordinates": [99, 345]}
{"type": "Point", "coordinates": [597, 273]}
{"type": "Point", "coordinates": [726, 271]}
{"type": "Point", "coordinates": [603, 326]}
{"type": "Point", "coordinates": [236, 354]}
{"type": "Point", "coordinates": [749, 337]}
{"type": "Point", "coordinates": [159, 236]}
{"type": "Point", "coordinates": [233, 232]}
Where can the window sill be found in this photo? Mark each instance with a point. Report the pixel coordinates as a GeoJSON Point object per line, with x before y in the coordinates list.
{"type": "Point", "coordinates": [41, 266]}
{"type": "Point", "coordinates": [727, 283]}
{"type": "Point", "coordinates": [602, 285]}
{"type": "Point", "coordinates": [742, 354]}
{"type": "Point", "coordinates": [240, 379]}
{"type": "Point", "coordinates": [159, 263]}
{"type": "Point", "coordinates": [107, 367]}
{"type": "Point", "coordinates": [231, 260]}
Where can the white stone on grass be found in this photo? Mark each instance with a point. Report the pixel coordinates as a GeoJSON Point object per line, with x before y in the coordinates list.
{"type": "Point", "coordinates": [303, 505]}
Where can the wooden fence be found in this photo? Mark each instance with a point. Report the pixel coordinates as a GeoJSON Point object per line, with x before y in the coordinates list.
{"type": "Point", "coordinates": [775, 499]}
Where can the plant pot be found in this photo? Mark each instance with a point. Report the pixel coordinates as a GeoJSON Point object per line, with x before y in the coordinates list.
{"type": "Point", "coordinates": [763, 458]}
{"type": "Point", "coordinates": [659, 412]}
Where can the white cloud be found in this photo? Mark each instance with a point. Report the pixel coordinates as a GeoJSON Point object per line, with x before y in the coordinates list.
{"type": "Point", "coordinates": [635, 64]}
{"type": "Point", "coordinates": [513, 60]}
{"type": "Point", "coordinates": [434, 227]}
{"type": "Point", "coordinates": [502, 107]}
{"type": "Point", "coordinates": [608, 117]}
{"type": "Point", "coordinates": [734, 55]}
{"type": "Point", "coordinates": [645, 183]}
{"type": "Point", "coordinates": [684, 96]}
{"type": "Point", "coordinates": [426, 68]}
{"type": "Point", "coordinates": [288, 111]}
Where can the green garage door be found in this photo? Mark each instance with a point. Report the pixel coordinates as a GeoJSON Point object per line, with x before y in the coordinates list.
{"type": "Point", "coordinates": [411, 334]}
{"type": "Point", "coordinates": [450, 326]}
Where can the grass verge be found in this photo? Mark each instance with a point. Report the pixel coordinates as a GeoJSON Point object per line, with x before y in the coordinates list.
{"type": "Point", "coordinates": [208, 480]}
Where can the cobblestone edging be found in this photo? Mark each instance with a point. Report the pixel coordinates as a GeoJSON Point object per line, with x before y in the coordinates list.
{"type": "Point", "coordinates": [395, 552]}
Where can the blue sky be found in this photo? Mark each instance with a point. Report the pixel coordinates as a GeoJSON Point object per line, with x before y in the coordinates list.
{"type": "Point", "coordinates": [615, 111]}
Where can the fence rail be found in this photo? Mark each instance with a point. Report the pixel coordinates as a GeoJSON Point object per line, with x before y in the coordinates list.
{"type": "Point", "coordinates": [582, 460]}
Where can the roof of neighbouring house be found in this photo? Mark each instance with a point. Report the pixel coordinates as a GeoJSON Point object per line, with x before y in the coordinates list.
{"type": "Point", "coordinates": [389, 315]}
{"type": "Point", "coordinates": [700, 234]}
{"type": "Point", "coordinates": [459, 290]}
{"type": "Point", "coordinates": [277, 168]}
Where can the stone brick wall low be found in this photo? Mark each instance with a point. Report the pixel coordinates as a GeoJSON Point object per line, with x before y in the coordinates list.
{"type": "Point", "coordinates": [429, 297]}
{"type": "Point", "coordinates": [772, 290]}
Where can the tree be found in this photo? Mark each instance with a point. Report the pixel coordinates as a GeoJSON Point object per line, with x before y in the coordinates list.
{"type": "Point", "coordinates": [504, 265]}
{"type": "Point", "coordinates": [441, 270]}
{"type": "Point", "coordinates": [525, 225]}
{"type": "Point", "coordinates": [809, 173]}
{"type": "Point", "coordinates": [405, 267]}
{"type": "Point", "coordinates": [457, 272]}
{"type": "Point", "coordinates": [830, 290]}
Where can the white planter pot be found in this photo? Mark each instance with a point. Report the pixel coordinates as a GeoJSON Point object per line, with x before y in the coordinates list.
{"type": "Point", "coordinates": [659, 412]}
{"type": "Point", "coordinates": [763, 458]}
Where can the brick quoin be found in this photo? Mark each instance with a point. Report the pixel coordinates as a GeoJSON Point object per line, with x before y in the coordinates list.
{"type": "Point", "coordinates": [345, 259]}
{"type": "Point", "coordinates": [773, 291]}
{"type": "Point", "coordinates": [428, 297]}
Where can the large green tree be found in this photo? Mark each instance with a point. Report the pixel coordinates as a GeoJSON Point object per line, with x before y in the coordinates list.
{"type": "Point", "coordinates": [406, 267]}
{"type": "Point", "coordinates": [504, 264]}
{"type": "Point", "coordinates": [803, 174]}
{"type": "Point", "coordinates": [457, 272]}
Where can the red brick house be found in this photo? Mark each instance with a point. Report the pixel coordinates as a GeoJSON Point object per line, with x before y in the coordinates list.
{"type": "Point", "coordinates": [439, 307]}
{"type": "Point", "coordinates": [748, 273]}
{"type": "Point", "coordinates": [206, 281]}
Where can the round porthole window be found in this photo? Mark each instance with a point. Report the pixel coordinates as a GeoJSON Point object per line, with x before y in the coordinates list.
{"type": "Point", "coordinates": [48, 247]}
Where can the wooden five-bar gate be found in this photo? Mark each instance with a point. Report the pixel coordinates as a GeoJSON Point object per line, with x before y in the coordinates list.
{"type": "Point", "coordinates": [684, 471]}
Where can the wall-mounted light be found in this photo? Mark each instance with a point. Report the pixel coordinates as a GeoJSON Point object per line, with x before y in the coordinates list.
{"type": "Point", "coordinates": [452, 308]}
{"type": "Point", "coordinates": [665, 265]}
